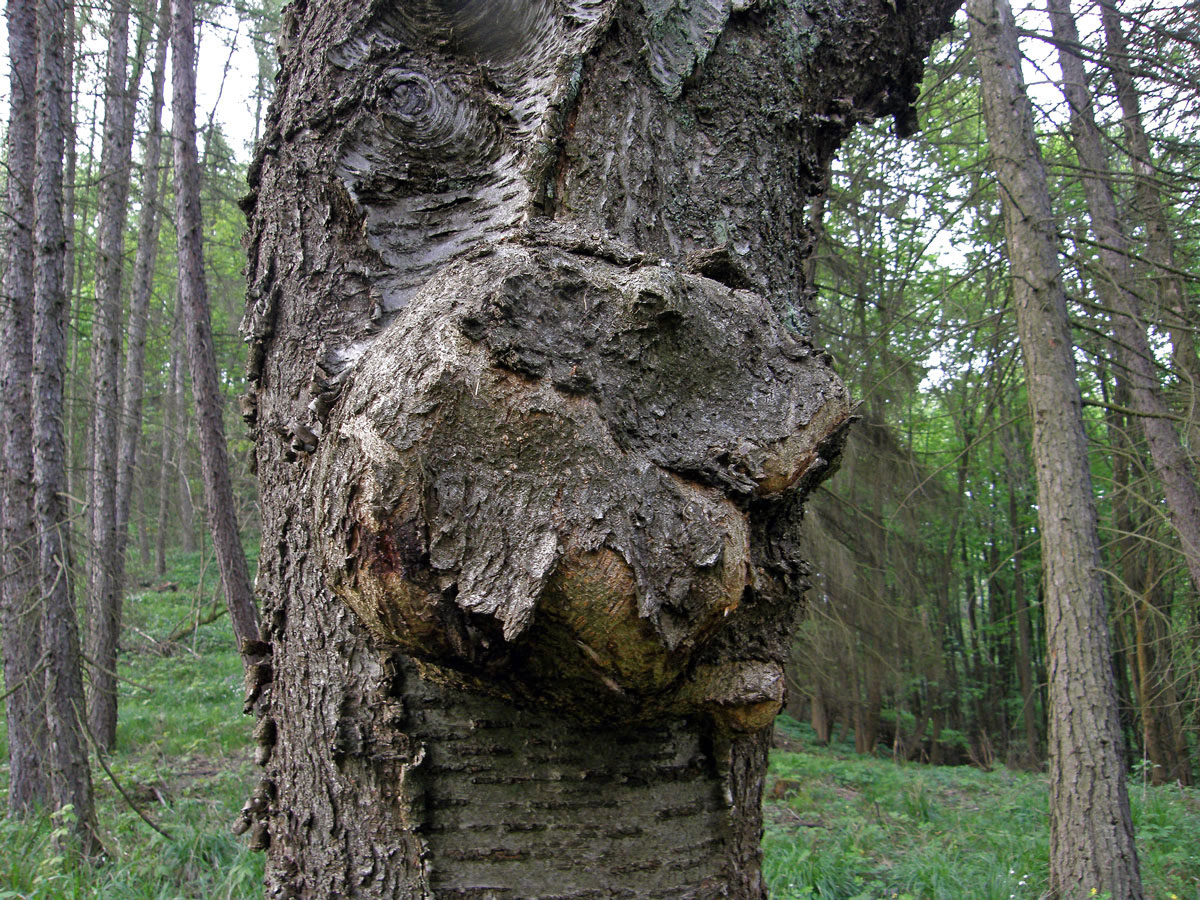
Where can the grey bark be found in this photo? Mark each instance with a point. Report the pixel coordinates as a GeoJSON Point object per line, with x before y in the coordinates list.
{"type": "Point", "coordinates": [103, 616]}
{"type": "Point", "coordinates": [1091, 833]}
{"type": "Point", "coordinates": [1116, 287]}
{"type": "Point", "coordinates": [181, 460]}
{"type": "Point", "coordinates": [20, 611]}
{"type": "Point", "coordinates": [218, 491]}
{"type": "Point", "coordinates": [66, 761]}
{"type": "Point", "coordinates": [165, 480]}
{"type": "Point", "coordinates": [1160, 242]}
{"type": "Point", "coordinates": [153, 180]}
{"type": "Point", "coordinates": [70, 162]}
{"type": "Point", "coordinates": [173, 478]}
{"type": "Point", "coordinates": [1029, 717]}
{"type": "Point", "coordinates": [532, 434]}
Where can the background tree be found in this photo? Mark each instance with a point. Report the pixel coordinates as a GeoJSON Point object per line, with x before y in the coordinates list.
{"type": "Point", "coordinates": [103, 590]}
{"type": "Point", "coordinates": [24, 679]}
{"type": "Point", "coordinates": [218, 493]}
{"type": "Point", "coordinates": [69, 776]}
{"type": "Point", "coordinates": [1091, 832]}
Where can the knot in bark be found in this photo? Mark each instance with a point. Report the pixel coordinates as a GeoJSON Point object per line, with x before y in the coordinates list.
{"type": "Point", "coordinates": [543, 480]}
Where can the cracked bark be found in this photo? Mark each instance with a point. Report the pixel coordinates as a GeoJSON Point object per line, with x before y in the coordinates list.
{"type": "Point", "coordinates": [25, 712]}
{"type": "Point", "coordinates": [535, 412]}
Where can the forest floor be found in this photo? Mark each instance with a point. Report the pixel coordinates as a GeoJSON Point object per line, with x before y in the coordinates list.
{"type": "Point", "coordinates": [839, 826]}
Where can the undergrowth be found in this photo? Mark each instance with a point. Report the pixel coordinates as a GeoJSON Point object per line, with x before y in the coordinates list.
{"type": "Point", "coordinates": [183, 755]}
{"type": "Point", "coordinates": [846, 827]}
{"type": "Point", "coordinates": [838, 826]}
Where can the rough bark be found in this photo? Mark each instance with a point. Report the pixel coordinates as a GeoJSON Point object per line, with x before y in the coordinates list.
{"type": "Point", "coordinates": [20, 611]}
{"type": "Point", "coordinates": [67, 761]}
{"type": "Point", "coordinates": [103, 592]}
{"type": "Point", "coordinates": [533, 435]}
{"type": "Point", "coordinates": [1116, 287]}
{"type": "Point", "coordinates": [206, 392]}
{"type": "Point", "coordinates": [1091, 833]}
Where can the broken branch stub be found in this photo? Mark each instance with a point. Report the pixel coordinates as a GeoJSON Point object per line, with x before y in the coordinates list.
{"type": "Point", "coordinates": [543, 480]}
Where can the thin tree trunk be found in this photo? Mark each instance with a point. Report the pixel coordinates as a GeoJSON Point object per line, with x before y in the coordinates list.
{"type": "Point", "coordinates": [144, 493]}
{"type": "Point", "coordinates": [1160, 243]}
{"type": "Point", "coordinates": [820, 714]}
{"type": "Point", "coordinates": [1115, 287]}
{"type": "Point", "coordinates": [70, 778]}
{"type": "Point", "coordinates": [153, 177]}
{"type": "Point", "coordinates": [1154, 688]}
{"type": "Point", "coordinates": [166, 474]}
{"type": "Point", "coordinates": [20, 609]}
{"type": "Point", "coordinates": [103, 590]}
{"type": "Point", "coordinates": [1091, 832]}
{"type": "Point", "coordinates": [218, 490]}
{"type": "Point", "coordinates": [1029, 715]}
{"type": "Point", "coordinates": [181, 461]}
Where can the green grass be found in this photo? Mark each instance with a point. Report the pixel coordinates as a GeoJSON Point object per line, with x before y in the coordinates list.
{"type": "Point", "coordinates": [846, 827]}
{"type": "Point", "coordinates": [183, 754]}
{"type": "Point", "coordinates": [838, 826]}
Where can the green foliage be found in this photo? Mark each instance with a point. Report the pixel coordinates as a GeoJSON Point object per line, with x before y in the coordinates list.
{"type": "Point", "coordinates": [183, 754]}
{"type": "Point", "coordinates": [844, 827]}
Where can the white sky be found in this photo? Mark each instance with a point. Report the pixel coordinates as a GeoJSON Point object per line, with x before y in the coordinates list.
{"type": "Point", "coordinates": [224, 85]}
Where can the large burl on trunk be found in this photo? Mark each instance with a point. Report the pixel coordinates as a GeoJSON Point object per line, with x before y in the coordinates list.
{"type": "Point", "coordinates": [536, 411]}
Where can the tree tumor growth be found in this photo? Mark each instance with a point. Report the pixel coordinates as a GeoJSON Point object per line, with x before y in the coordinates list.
{"type": "Point", "coordinates": [536, 410]}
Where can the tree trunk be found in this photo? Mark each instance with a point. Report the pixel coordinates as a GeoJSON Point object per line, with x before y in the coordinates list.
{"type": "Point", "coordinates": [172, 476]}
{"type": "Point", "coordinates": [70, 779]}
{"type": "Point", "coordinates": [1029, 715]}
{"type": "Point", "coordinates": [820, 714]}
{"type": "Point", "coordinates": [868, 704]}
{"type": "Point", "coordinates": [531, 435]}
{"type": "Point", "coordinates": [20, 610]}
{"type": "Point", "coordinates": [1116, 287]}
{"type": "Point", "coordinates": [218, 491]}
{"type": "Point", "coordinates": [181, 460]}
{"type": "Point", "coordinates": [1149, 206]}
{"type": "Point", "coordinates": [103, 592]}
{"type": "Point", "coordinates": [165, 481]}
{"type": "Point", "coordinates": [1137, 551]}
{"type": "Point", "coordinates": [153, 178]}
{"type": "Point", "coordinates": [1091, 833]}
